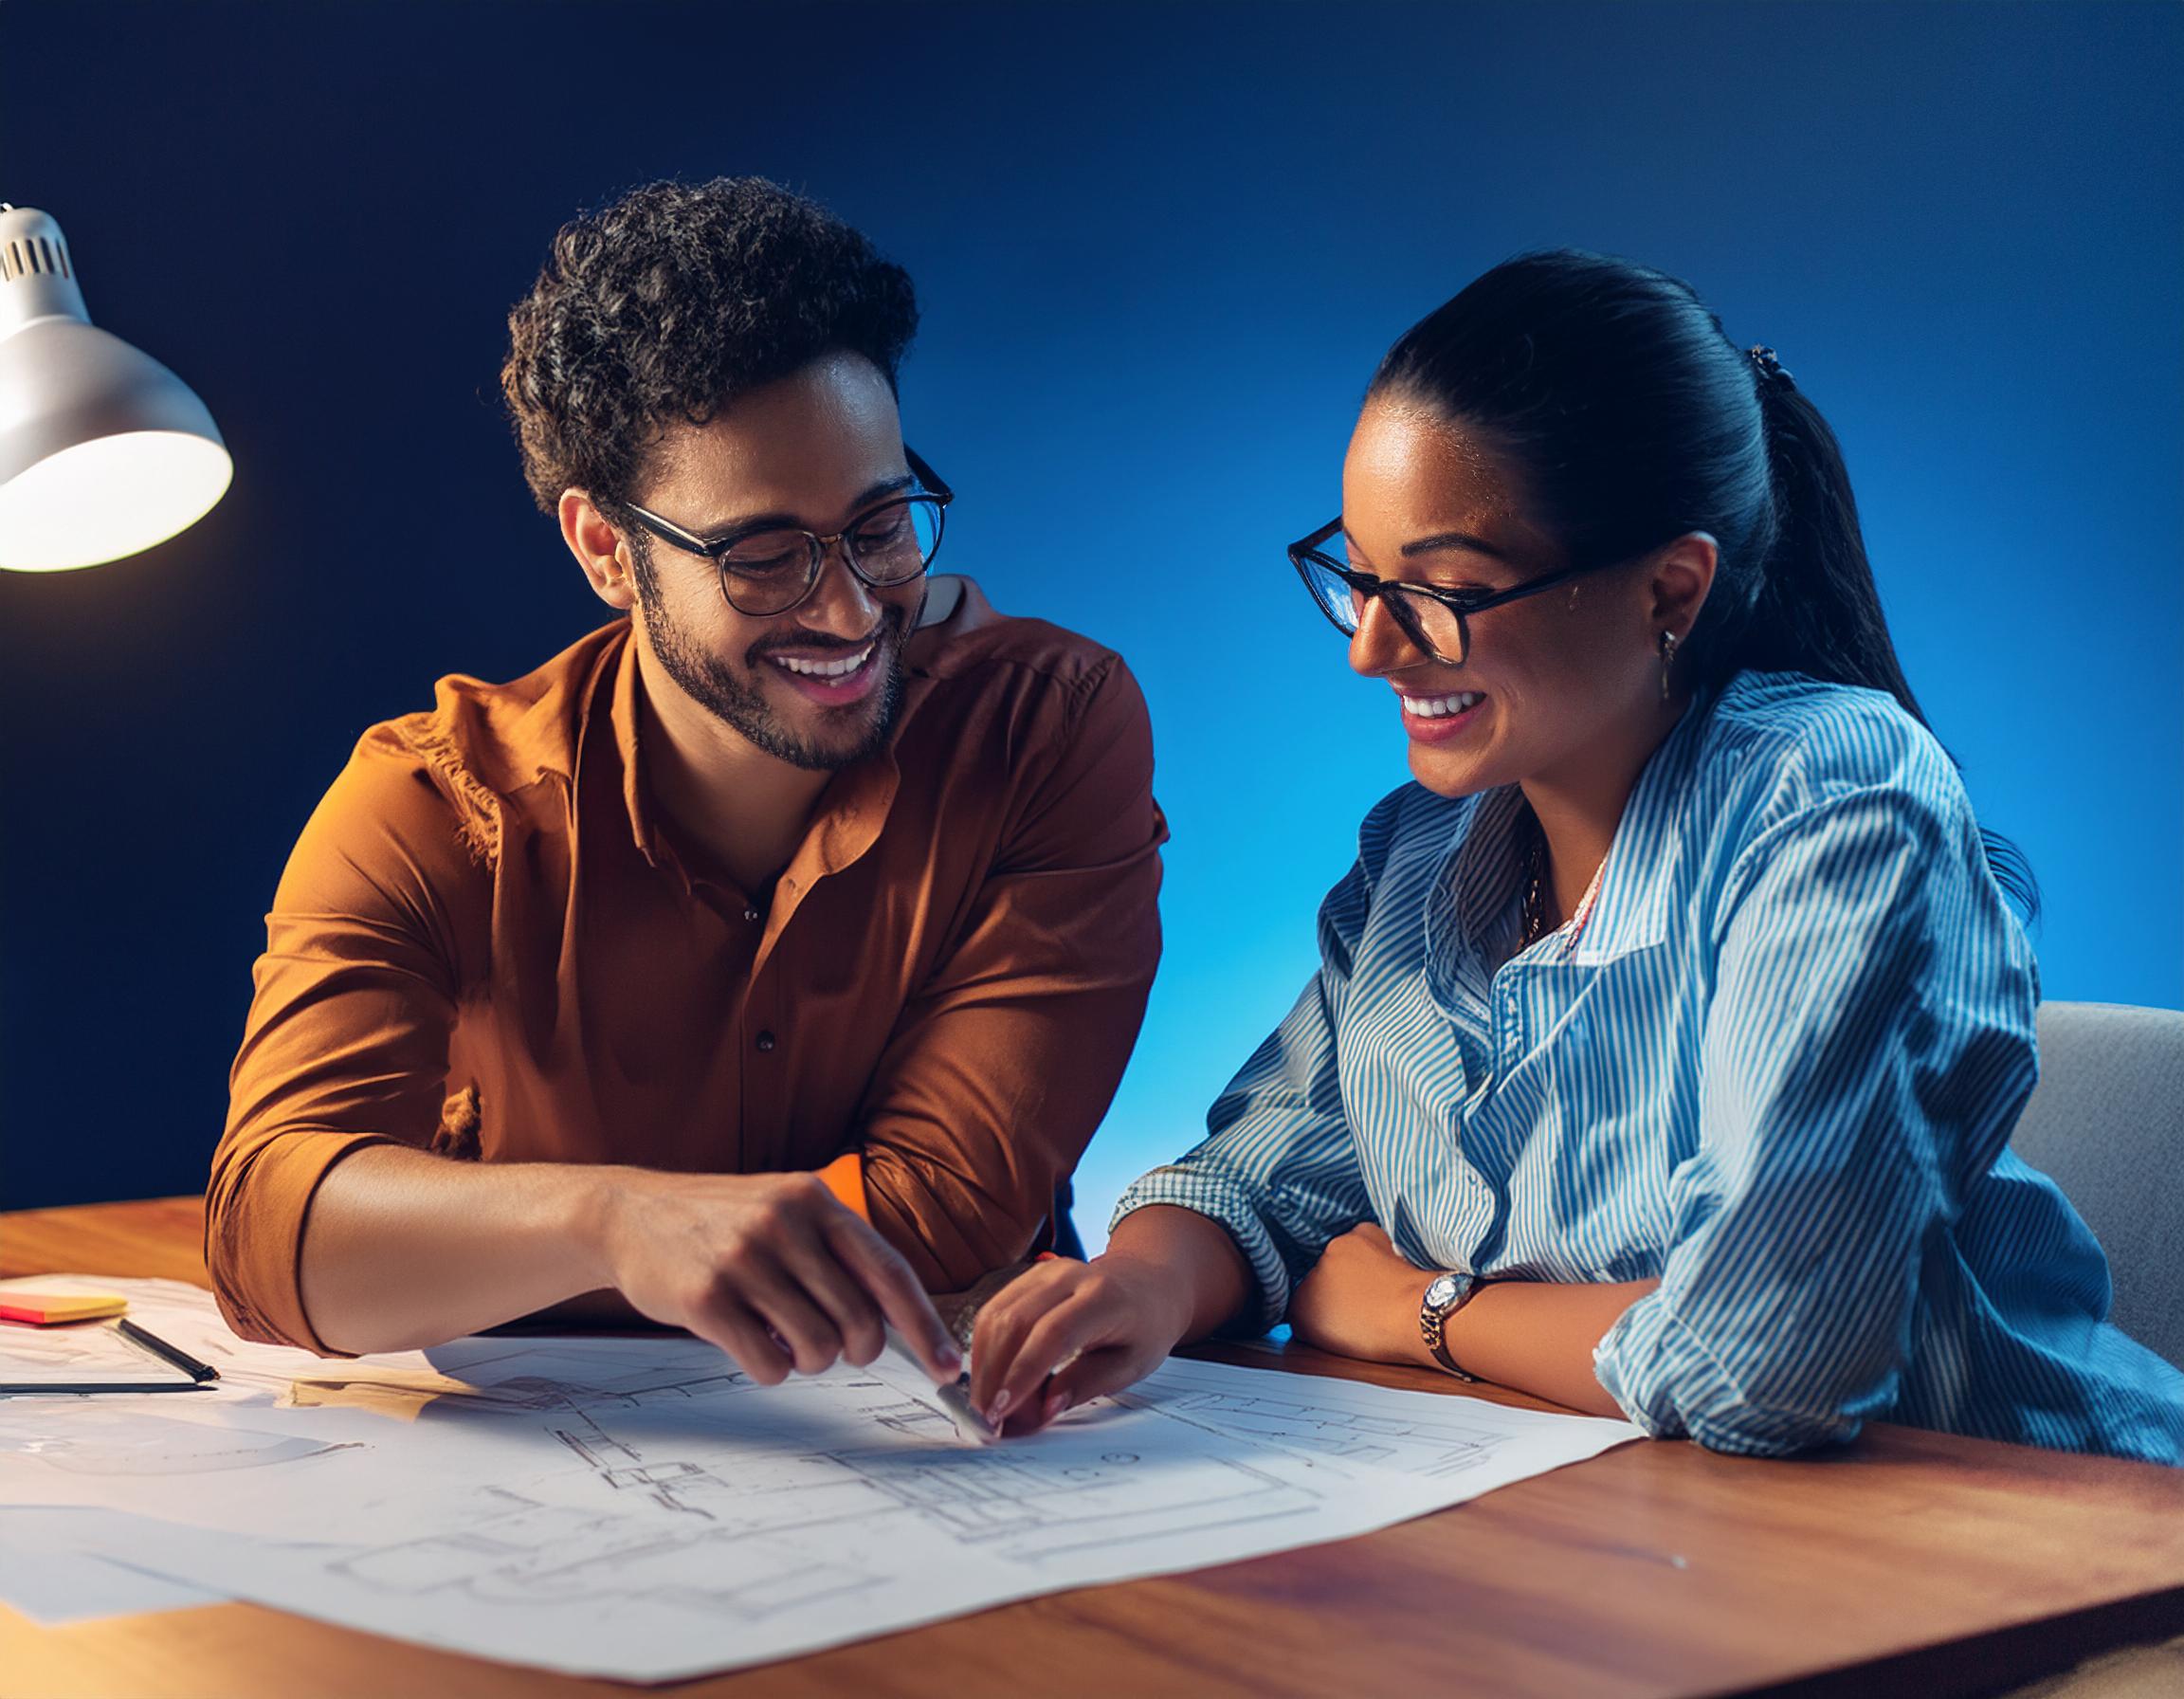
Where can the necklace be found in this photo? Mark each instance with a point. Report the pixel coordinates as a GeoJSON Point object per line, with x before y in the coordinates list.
{"type": "Point", "coordinates": [1534, 924]}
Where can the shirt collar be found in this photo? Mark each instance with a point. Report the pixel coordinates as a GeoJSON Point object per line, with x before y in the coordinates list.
{"type": "Point", "coordinates": [1484, 879]}
{"type": "Point", "coordinates": [1479, 892]}
{"type": "Point", "coordinates": [855, 806]}
{"type": "Point", "coordinates": [626, 716]}
{"type": "Point", "coordinates": [1640, 875]}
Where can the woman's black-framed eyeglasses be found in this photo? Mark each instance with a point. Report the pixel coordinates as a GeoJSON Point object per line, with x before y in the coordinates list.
{"type": "Point", "coordinates": [766, 570]}
{"type": "Point", "coordinates": [1437, 620]}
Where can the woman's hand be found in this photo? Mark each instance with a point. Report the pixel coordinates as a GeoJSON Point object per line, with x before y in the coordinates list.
{"type": "Point", "coordinates": [1363, 1299]}
{"type": "Point", "coordinates": [1065, 1331]}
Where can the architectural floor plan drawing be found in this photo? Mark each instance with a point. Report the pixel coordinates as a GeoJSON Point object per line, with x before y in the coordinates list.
{"type": "Point", "coordinates": [1427, 1436]}
{"type": "Point", "coordinates": [635, 1508]}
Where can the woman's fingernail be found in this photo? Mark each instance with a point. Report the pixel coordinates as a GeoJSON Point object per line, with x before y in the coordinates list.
{"type": "Point", "coordinates": [1000, 1408]}
{"type": "Point", "coordinates": [1056, 1403]}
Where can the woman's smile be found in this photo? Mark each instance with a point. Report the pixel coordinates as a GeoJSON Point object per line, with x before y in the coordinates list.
{"type": "Point", "coordinates": [1439, 717]}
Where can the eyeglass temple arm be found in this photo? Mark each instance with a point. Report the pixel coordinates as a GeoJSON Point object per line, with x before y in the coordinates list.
{"type": "Point", "coordinates": [926, 475]}
{"type": "Point", "coordinates": [668, 531]}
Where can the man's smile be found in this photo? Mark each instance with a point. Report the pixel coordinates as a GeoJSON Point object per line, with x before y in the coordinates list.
{"type": "Point", "coordinates": [836, 679]}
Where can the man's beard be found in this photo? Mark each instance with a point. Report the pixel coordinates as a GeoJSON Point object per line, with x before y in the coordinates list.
{"type": "Point", "coordinates": [743, 706]}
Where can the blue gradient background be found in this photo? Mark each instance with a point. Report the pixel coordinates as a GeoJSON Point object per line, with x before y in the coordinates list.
{"type": "Point", "coordinates": [1160, 249]}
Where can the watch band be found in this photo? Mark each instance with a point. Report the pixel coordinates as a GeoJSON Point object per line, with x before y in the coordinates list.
{"type": "Point", "coordinates": [1442, 1299]}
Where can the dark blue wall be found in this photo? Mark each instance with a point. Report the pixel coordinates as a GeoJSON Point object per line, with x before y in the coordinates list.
{"type": "Point", "coordinates": [1160, 249]}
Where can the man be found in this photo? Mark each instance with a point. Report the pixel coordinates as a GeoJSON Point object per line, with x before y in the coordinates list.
{"type": "Point", "coordinates": [768, 957]}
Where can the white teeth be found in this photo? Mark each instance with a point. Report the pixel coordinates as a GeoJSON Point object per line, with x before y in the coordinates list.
{"type": "Point", "coordinates": [827, 669]}
{"type": "Point", "coordinates": [1436, 707]}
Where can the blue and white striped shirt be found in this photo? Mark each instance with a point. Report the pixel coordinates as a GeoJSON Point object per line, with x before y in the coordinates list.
{"type": "Point", "coordinates": [1777, 1069]}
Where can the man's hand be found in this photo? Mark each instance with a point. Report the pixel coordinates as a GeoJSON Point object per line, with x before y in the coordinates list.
{"type": "Point", "coordinates": [1362, 1299]}
{"type": "Point", "coordinates": [771, 1268]}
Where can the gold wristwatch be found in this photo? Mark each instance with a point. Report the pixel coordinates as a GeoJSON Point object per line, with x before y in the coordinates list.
{"type": "Point", "coordinates": [1444, 1298]}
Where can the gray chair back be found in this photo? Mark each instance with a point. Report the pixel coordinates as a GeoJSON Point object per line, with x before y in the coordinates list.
{"type": "Point", "coordinates": [2106, 1123]}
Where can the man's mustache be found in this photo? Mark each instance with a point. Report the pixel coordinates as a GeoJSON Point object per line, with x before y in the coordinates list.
{"type": "Point", "coordinates": [886, 631]}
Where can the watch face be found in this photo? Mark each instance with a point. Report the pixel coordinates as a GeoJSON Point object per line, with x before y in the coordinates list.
{"type": "Point", "coordinates": [1442, 1291]}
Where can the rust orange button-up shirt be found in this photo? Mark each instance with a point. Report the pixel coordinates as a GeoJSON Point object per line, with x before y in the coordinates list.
{"type": "Point", "coordinates": [486, 944]}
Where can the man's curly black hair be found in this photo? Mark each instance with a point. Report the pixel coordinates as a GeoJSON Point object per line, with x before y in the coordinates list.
{"type": "Point", "coordinates": [671, 303]}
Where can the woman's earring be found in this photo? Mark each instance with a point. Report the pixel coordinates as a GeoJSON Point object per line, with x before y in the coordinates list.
{"type": "Point", "coordinates": [1667, 662]}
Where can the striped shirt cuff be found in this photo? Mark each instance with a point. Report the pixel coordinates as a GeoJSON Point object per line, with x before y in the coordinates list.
{"type": "Point", "coordinates": [1668, 1383]}
{"type": "Point", "coordinates": [1219, 1198]}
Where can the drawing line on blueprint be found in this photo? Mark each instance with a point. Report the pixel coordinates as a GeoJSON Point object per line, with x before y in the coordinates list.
{"type": "Point", "coordinates": [1450, 1447]}
{"type": "Point", "coordinates": [524, 1553]}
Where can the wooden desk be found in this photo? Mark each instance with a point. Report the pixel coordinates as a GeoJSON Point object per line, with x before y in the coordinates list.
{"type": "Point", "coordinates": [1918, 1564]}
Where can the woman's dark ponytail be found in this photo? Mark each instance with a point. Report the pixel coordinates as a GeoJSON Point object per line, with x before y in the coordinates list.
{"type": "Point", "coordinates": [1816, 610]}
{"type": "Point", "coordinates": [1632, 418]}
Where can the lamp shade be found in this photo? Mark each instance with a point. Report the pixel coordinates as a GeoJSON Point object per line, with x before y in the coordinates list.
{"type": "Point", "coordinates": [103, 452]}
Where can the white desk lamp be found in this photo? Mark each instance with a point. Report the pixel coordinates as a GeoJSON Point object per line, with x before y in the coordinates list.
{"type": "Point", "coordinates": [103, 452]}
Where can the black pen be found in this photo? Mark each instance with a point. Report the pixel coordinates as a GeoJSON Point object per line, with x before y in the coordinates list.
{"type": "Point", "coordinates": [199, 1372]}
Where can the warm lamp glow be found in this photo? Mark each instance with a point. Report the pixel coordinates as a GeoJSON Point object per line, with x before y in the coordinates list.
{"type": "Point", "coordinates": [111, 497]}
{"type": "Point", "coordinates": [103, 452]}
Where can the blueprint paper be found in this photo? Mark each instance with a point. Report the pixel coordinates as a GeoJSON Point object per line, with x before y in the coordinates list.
{"type": "Point", "coordinates": [185, 1317]}
{"type": "Point", "coordinates": [86, 1353]}
{"type": "Point", "coordinates": [1424, 1435]}
{"type": "Point", "coordinates": [48, 1575]}
{"type": "Point", "coordinates": [638, 1508]}
{"type": "Point", "coordinates": [42, 1573]}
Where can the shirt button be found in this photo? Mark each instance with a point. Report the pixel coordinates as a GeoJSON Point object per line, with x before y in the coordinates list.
{"type": "Point", "coordinates": [765, 1041]}
{"type": "Point", "coordinates": [749, 914]}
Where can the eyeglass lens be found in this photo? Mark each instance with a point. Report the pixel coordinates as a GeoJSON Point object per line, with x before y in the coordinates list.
{"type": "Point", "coordinates": [770, 570]}
{"type": "Point", "coordinates": [1433, 626]}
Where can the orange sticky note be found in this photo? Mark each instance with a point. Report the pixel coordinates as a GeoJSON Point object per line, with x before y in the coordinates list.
{"type": "Point", "coordinates": [44, 1309]}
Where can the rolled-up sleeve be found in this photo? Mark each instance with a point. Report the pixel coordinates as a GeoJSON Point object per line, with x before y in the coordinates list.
{"type": "Point", "coordinates": [1001, 1067]}
{"type": "Point", "coordinates": [347, 1040]}
{"type": "Point", "coordinates": [1867, 1048]}
{"type": "Point", "coordinates": [1279, 1168]}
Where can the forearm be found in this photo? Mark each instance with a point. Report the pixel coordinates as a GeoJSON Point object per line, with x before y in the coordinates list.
{"type": "Point", "coordinates": [403, 1249]}
{"type": "Point", "coordinates": [1538, 1337]}
{"type": "Point", "coordinates": [1202, 1265]}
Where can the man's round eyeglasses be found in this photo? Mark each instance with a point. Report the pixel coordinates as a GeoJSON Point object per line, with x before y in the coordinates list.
{"type": "Point", "coordinates": [770, 569]}
{"type": "Point", "coordinates": [1437, 620]}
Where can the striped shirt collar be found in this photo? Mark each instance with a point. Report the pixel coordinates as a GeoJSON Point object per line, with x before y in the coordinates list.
{"type": "Point", "coordinates": [1473, 920]}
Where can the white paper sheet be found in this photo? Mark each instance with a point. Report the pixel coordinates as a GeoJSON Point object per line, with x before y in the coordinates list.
{"type": "Point", "coordinates": [185, 1317]}
{"type": "Point", "coordinates": [638, 1508]}
{"type": "Point", "coordinates": [81, 1353]}
{"type": "Point", "coordinates": [47, 1574]}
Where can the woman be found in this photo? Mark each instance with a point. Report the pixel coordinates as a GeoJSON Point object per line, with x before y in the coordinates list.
{"type": "Point", "coordinates": [1670, 1031]}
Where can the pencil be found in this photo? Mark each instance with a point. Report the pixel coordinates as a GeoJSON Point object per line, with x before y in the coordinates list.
{"type": "Point", "coordinates": [160, 1348]}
